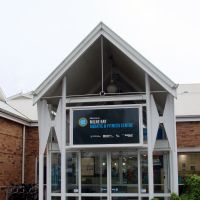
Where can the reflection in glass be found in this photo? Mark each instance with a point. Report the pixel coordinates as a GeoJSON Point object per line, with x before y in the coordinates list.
{"type": "Point", "coordinates": [124, 171]}
{"type": "Point", "coordinates": [55, 198]}
{"type": "Point", "coordinates": [161, 166]}
{"type": "Point", "coordinates": [72, 172]}
{"type": "Point", "coordinates": [124, 198]}
{"type": "Point", "coordinates": [55, 172]}
{"type": "Point", "coordinates": [71, 198]}
{"type": "Point", "coordinates": [188, 164]}
{"type": "Point", "coordinates": [144, 172]}
{"type": "Point", "coordinates": [144, 117]}
{"type": "Point", "coordinates": [94, 198]}
{"type": "Point", "coordinates": [93, 172]}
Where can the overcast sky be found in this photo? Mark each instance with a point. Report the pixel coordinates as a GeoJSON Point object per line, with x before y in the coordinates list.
{"type": "Point", "coordinates": [36, 35]}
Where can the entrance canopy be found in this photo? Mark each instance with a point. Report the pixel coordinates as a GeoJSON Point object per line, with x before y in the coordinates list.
{"type": "Point", "coordinates": [101, 58]}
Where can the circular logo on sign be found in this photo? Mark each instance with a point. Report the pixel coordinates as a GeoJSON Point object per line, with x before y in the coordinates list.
{"type": "Point", "coordinates": [82, 122]}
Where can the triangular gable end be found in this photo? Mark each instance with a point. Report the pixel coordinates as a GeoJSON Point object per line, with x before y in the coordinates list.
{"type": "Point", "coordinates": [132, 54]}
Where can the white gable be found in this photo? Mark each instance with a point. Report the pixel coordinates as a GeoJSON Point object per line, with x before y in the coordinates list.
{"type": "Point", "coordinates": [120, 44]}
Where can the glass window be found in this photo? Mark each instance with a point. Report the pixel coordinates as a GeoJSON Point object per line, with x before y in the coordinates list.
{"type": "Point", "coordinates": [55, 198]}
{"type": "Point", "coordinates": [188, 164]}
{"type": "Point", "coordinates": [67, 128]}
{"type": "Point", "coordinates": [94, 198]}
{"type": "Point", "coordinates": [144, 172]}
{"type": "Point", "coordinates": [124, 171]}
{"type": "Point", "coordinates": [124, 198]}
{"type": "Point", "coordinates": [161, 166]}
{"type": "Point", "coordinates": [71, 198]}
{"type": "Point", "coordinates": [72, 172]}
{"type": "Point", "coordinates": [93, 172]}
{"type": "Point", "coordinates": [161, 135]}
{"type": "Point", "coordinates": [144, 117]}
{"type": "Point", "coordinates": [55, 172]}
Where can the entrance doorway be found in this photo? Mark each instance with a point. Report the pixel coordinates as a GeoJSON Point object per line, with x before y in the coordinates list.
{"type": "Point", "coordinates": [101, 175]}
{"type": "Point", "coordinates": [92, 175]}
{"type": "Point", "coordinates": [109, 173]}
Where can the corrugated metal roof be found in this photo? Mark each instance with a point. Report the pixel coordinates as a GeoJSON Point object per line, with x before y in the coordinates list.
{"type": "Point", "coordinates": [6, 108]}
{"type": "Point", "coordinates": [19, 106]}
{"type": "Point", "coordinates": [23, 102]}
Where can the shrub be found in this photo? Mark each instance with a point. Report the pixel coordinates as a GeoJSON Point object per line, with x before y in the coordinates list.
{"type": "Point", "coordinates": [193, 188]}
{"type": "Point", "coordinates": [155, 198]}
{"type": "Point", "coordinates": [174, 197]}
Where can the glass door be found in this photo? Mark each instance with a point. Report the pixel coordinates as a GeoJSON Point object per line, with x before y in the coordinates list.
{"type": "Point", "coordinates": [93, 172]}
{"type": "Point", "coordinates": [124, 175]}
{"type": "Point", "coordinates": [95, 175]}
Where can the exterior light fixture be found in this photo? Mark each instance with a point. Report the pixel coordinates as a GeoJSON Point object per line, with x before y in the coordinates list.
{"type": "Point", "coordinates": [112, 87]}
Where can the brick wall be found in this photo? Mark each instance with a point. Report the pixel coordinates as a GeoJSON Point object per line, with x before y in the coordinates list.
{"type": "Point", "coordinates": [32, 149]}
{"type": "Point", "coordinates": [10, 154]}
{"type": "Point", "coordinates": [11, 138]}
{"type": "Point", "coordinates": [188, 134]}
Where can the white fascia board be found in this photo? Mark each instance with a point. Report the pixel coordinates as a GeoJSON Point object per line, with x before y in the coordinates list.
{"type": "Point", "coordinates": [14, 118]}
{"type": "Point", "coordinates": [102, 29]}
{"type": "Point", "coordinates": [106, 98]}
{"type": "Point", "coordinates": [20, 120]}
{"type": "Point", "coordinates": [67, 62]}
{"type": "Point", "coordinates": [188, 118]}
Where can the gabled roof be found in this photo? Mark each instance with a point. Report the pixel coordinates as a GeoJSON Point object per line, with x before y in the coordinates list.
{"type": "Point", "coordinates": [102, 29]}
{"type": "Point", "coordinates": [19, 108]}
{"type": "Point", "coordinates": [23, 103]}
{"type": "Point", "coordinates": [21, 95]}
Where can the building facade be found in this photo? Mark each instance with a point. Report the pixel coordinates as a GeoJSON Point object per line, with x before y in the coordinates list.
{"type": "Point", "coordinates": [18, 142]}
{"type": "Point", "coordinates": [107, 124]}
{"type": "Point", "coordinates": [103, 83]}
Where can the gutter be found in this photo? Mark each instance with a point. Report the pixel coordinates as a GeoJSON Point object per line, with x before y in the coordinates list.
{"type": "Point", "coordinates": [17, 118]}
{"type": "Point", "coordinates": [187, 118]}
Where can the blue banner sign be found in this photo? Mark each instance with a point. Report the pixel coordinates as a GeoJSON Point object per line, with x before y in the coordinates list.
{"type": "Point", "coordinates": [106, 126]}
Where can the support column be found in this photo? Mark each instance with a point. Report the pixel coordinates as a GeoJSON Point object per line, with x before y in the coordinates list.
{"type": "Point", "coordinates": [174, 156]}
{"type": "Point", "coordinates": [63, 136]}
{"type": "Point", "coordinates": [48, 167]}
{"type": "Point", "coordinates": [41, 175]}
{"type": "Point", "coordinates": [149, 137]}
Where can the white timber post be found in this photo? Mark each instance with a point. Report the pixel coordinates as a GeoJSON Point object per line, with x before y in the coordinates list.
{"type": "Point", "coordinates": [44, 125]}
{"type": "Point", "coordinates": [48, 167]}
{"type": "Point", "coordinates": [149, 137]}
{"type": "Point", "coordinates": [174, 154]}
{"type": "Point", "coordinates": [169, 122]}
{"type": "Point", "coordinates": [63, 136]}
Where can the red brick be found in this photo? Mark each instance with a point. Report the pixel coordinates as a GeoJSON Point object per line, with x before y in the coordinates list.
{"type": "Point", "coordinates": [188, 134]}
